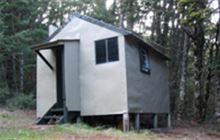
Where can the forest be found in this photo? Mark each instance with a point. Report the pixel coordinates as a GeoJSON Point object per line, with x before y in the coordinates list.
{"type": "Point", "coordinates": [188, 31]}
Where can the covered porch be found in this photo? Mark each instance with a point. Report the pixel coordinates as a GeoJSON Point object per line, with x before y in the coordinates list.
{"type": "Point", "coordinates": [53, 60]}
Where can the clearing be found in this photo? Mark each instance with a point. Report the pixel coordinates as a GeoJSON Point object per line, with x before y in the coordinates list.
{"type": "Point", "coordinates": [19, 125]}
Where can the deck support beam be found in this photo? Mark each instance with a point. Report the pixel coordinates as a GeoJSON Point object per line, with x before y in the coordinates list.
{"type": "Point", "coordinates": [125, 120]}
{"type": "Point", "coordinates": [45, 60]}
{"type": "Point", "coordinates": [169, 120]}
{"type": "Point", "coordinates": [155, 120]}
{"type": "Point", "coordinates": [78, 119]}
{"type": "Point", "coordinates": [65, 114]}
{"type": "Point", "coordinates": [137, 122]}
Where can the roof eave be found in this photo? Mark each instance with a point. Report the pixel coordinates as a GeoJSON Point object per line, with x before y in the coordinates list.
{"type": "Point", "coordinates": [49, 45]}
{"type": "Point", "coordinates": [152, 47]}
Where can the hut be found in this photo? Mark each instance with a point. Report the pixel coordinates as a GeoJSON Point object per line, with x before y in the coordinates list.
{"type": "Point", "coordinates": [91, 68]}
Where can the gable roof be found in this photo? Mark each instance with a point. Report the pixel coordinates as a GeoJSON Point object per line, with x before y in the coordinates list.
{"type": "Point", "coordinates": [94, 21]}
{"type": "Point", "coordinates": [113, 28]}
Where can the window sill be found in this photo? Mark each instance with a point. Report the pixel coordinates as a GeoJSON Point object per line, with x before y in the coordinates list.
{"type": "Point", "coordinates": [108, 62]}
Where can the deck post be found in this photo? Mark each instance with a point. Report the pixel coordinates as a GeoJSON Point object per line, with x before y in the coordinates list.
{"type": "Point", "coordinates": [137, 122]}
{"type": "Point", "coordinates": [155, 120]}
{"type": "Point", "coordinates": [78, 119]}
{"type": "Point", "coordinates": [169, 120]}
{"type": "Point", "coordinates": [65, 114]}
{"type": "Point", "coordinates": [125, 120]}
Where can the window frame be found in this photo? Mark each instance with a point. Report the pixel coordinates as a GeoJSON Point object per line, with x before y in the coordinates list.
{"type": "Point", "coordinates": [106, 47]}
{"type": "Point", "coordinates": [141, 55]}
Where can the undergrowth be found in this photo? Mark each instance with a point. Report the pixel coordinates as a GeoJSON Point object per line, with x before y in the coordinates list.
{"type": "Point", "coordinates": [71, 131]}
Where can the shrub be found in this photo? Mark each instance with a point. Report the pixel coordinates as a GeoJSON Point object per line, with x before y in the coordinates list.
{"type": "Point", "coordinates": [22, 101]}
{"type": "Point", "coordinates": [4, 95]}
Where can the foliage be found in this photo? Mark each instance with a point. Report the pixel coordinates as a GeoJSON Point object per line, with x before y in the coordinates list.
{"type": "Point", "coordinates": [22, 101]}
{"type": "Point", "coordinates": [194, 11]}
{"type": "Point", "coordinates": [4, 94]}
{"type": "Point", "coordinates": [19, 30]}
{"type": "Point", "coordinates": [196, 23]}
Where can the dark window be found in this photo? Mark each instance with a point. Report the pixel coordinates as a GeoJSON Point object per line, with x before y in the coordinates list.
{"type": "Point", "coordinates": [106, 50]}
{"type": "Point", "coordinates": [112, 49]}
{"type": "Point", "coordinates": [145, 65]}
{"type": "Point", "coordinates": [100, 52]}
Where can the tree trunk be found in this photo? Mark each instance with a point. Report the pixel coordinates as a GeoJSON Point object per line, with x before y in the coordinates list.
{"type": "Point", "coordinates": [174, 51]}
{"type": "Point", "coordinates": [182, 85]}
{"type": "Point", "coordinates": [158, 24]}
{"type": "Point", "coordinates": [121, 15]}
{"type": "Point", "coordinates": [153, 28]}
{"type": "Point", "coordinates": [21, 72]}
{"type": "Point", "coordinates": [167, 15]}
{"type": "Point", "coordinates": [209, 83]}
{"type": "Point", "coordinates": [199, 81]}
{"type": "Point", "coordinates": [130, 19]}
{"type": "Point", "coordinates": [14, 73]}
{"type": "Point", "coordinates": [217, 69]}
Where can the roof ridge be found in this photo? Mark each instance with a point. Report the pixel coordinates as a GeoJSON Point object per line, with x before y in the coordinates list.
{"type": "Point", "coordinates": [101, 23]}
{"type": "Point", "coordinates": [91, 20]}
{"type": "Point", "coordinates": [109, 26]}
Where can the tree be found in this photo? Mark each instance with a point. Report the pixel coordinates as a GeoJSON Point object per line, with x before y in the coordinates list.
{"type": "Point", "coordinates": [20, 30]}
{"type": "Point", "coordinates": [183, 69]}
{"type": "Point", "coordinates": [194, 23]}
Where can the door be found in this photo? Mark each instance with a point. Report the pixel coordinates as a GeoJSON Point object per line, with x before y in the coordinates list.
{"type": "Point", "coordinates": [59, 73]}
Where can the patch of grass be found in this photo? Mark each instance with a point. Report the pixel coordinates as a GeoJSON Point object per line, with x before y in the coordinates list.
{"type": "Point", "coordinates": [86, 130]}
{"type": "Point", "coordinates": [68, 131]}
{"type": "Point", "coordinates": [7, 117]}
{"type": "Point", "coordinates": [21, 134]}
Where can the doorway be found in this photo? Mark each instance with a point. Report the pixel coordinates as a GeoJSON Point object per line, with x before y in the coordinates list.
{"type": "Point", "coordinates": [59, 74]}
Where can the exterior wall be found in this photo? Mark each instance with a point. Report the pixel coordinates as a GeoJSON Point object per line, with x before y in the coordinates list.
{"type": "Point", "coordinates": [46, 83]}
{"type": "Point", "coordinates": [103, 88]}
{"type": "Point", "coordinates": [71, 75]}
{"type": "Point", "coordinates": [147, 93]}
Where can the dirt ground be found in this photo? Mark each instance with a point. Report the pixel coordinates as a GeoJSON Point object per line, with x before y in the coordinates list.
{"type": "Point", "coordinates": [25, 119]}
{"type": "Point", "coordinates": [191, 133]}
